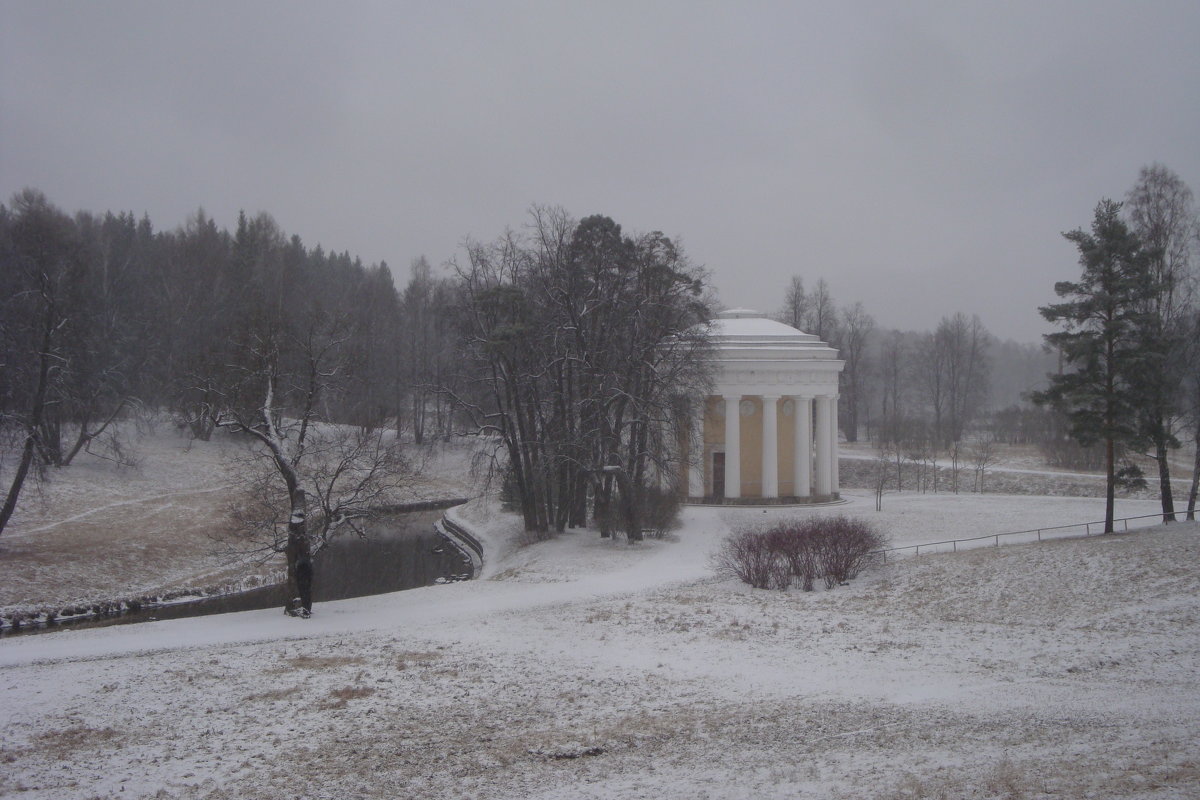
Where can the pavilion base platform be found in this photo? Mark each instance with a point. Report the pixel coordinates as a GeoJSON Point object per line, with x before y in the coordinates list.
{"type": "Point", "coordinates": [814, 500]}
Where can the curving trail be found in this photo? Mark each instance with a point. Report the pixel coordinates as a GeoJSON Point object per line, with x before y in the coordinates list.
{"type": "Point", "coordinates": [118, 504]}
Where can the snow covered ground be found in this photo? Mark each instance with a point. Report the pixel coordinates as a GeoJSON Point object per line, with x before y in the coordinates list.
{"type": "Point", "coordinates": [588, 668]}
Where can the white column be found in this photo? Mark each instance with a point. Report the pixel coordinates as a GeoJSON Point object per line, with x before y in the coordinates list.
{"type": "Point", "coordinates": [770, 447]}
{"type": "Point", "coordinates": [824, 472]}
{"type": "Point", "coordinates": [695, 467]}
{"type": "Point", "coordinates": [802, 449]}
{"type": "Point", "coordinates": [833, 444]}
{"type": "Point", "coordinates": [733, 445]}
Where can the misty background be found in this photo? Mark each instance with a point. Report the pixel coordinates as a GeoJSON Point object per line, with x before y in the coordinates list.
{"type": "Point", "coordinates": [922, 158]}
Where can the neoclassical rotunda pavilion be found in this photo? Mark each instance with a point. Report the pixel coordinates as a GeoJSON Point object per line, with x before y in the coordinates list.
{"type": "Point", "coordinates": [769, 431]}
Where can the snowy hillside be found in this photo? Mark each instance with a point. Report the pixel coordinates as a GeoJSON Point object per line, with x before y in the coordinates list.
{"type": "Point", "coordinates": [591, 669]}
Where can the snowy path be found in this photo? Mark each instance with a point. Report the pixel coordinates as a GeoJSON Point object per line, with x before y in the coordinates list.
{"type": "Point", "coordinates": [1052, 473]}
{"type": "Point", "coordinates": [415, 609]}
{"type": "Point", "coordinates": [576, 568]}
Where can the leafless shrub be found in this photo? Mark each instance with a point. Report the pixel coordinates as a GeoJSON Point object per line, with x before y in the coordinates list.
{"type": "Point", "coordinates": [748, 556]}
{"type": "Point", "coordinates": [844, 546]}
{"type": "Point", "coordinates": [146, 419]}
{"type": "Point", "coordinates": [793, 542]}
{"type": "Point", "coordinates": [983, 456]}
{"type": "Point", "coordinates": [113, 444]}
{"type": "Point", "coordinates": [834, 548]}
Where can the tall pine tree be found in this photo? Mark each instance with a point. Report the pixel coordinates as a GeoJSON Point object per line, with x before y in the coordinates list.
{"type": "Point", "coordinates": [1103, 342]}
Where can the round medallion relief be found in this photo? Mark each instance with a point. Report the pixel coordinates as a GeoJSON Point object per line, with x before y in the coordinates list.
{"type": "Point", "coordinates": [789, 406]}
{"type": "Point", "coordinates": [746, 407]}
{"type": "Point", "coordinates": [719, 409]}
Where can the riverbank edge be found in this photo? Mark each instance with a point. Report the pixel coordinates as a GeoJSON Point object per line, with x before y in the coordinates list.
{"type": "Point", "coordinates": [13, 619]}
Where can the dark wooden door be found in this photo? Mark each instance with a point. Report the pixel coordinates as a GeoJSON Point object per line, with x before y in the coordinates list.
{"type": "Point", "coordinates": [718, 473]}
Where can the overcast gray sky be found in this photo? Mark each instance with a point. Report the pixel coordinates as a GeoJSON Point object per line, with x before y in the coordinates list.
{"type": "Point", "coordinates": [922, 157]}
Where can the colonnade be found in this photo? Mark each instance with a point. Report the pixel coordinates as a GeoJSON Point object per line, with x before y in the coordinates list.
{"type": "Point", "coordinates": [814, 447]}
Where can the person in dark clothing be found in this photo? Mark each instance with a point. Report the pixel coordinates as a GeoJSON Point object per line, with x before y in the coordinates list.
{"type": "Point", "coordinates": [304, 576]}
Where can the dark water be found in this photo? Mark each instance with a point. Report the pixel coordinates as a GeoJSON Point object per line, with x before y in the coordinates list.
{"type": "Point", "coordinates": [402, 551]}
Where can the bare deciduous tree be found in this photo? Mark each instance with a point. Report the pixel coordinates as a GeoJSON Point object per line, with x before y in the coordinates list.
{"type": "Point", "coordinates": [822, 319]}
{"type": "Point", "coordinates": [307, 480]}
{"type": "Point", "coordinates": [856, 328]}
{"type": "Point", "coordinates": [584, 339]}
{"type": "Point", "coordinates": [39, 256]}
{"type": "Point", "coordinates": [881, 473]}
{"type": "Point", "coordinates": [795, 304]}
{"type": "Point", "coordinates": [1162, 215]}
{"type": "Point", "coordinates": [892, 374]}
{"type": "Point", "coordinates": [954, 373]}
{"type": "Point", "coordinates": [984, 455]}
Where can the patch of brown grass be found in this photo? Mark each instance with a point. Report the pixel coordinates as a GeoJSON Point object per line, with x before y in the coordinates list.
{"type": "Point", "coordinates": [414, 658]}
{"type": "Point", "coordinates": [1006, 780]}
{"type": "Point", "coordinates": [338, 698]}
{"type": "Point", "coordinates": [323, 662]}
{"type": "Point", "coordinates": [78, 737]}
{"type": "Point", "coordinates": [274, 694]}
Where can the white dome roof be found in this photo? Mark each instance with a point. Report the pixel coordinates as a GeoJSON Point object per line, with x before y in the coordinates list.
{"type": "Point", "coordinates": [742, 333]}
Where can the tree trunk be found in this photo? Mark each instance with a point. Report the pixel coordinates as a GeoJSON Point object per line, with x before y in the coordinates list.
{"type": "Point", "coordinates": [35, 423]}
{"type": "Point", "coordinates": [1191, 506]}
{"type": "Point", "coordinates": [49, 438]}
{"type": "Point", "coordinates": [850, 424]}
{"type": "Point", "coordinates": [80, 442]}
{"type": "Point", "coordinates": [14, 489]}
{"type": "Point", "coordinates": [1111, 480]}
{"type": "Point", "coordinates": [299, 559]}
{"type": "Point", "coordinates": [562, 510]}
{"type": "Point", "coordinates": [579, 500]}
{"type": "Point", "coordinates": [629, 502]}
{"type": "Point", "coordinates": [418, 417]}
{"type": "Point", "coordinates": [1109, 442]}
{"type": "Point", "coordinates": [86, 436]}
{"type": "Point", "coordinates": [1164, 481]}
{"type": "Point", "coordinates": [603, 504]}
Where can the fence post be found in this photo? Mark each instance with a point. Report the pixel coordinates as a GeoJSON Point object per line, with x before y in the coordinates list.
{"type": "Point", "coordinates": [1039, 535]}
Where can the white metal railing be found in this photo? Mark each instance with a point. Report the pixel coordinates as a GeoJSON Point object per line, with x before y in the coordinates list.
{"type": "Point", "coordinates": [1033, 534]}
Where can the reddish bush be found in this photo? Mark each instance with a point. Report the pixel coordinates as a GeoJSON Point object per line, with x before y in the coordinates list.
{"type": "Point", "coordinates": [748, 556]}
{"type": "Point", "coordinates": [834, 548]}
{"type": "Point", "coordinates": [793, 542]}
{"type": "Point", "coordinates": [844, 547]}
